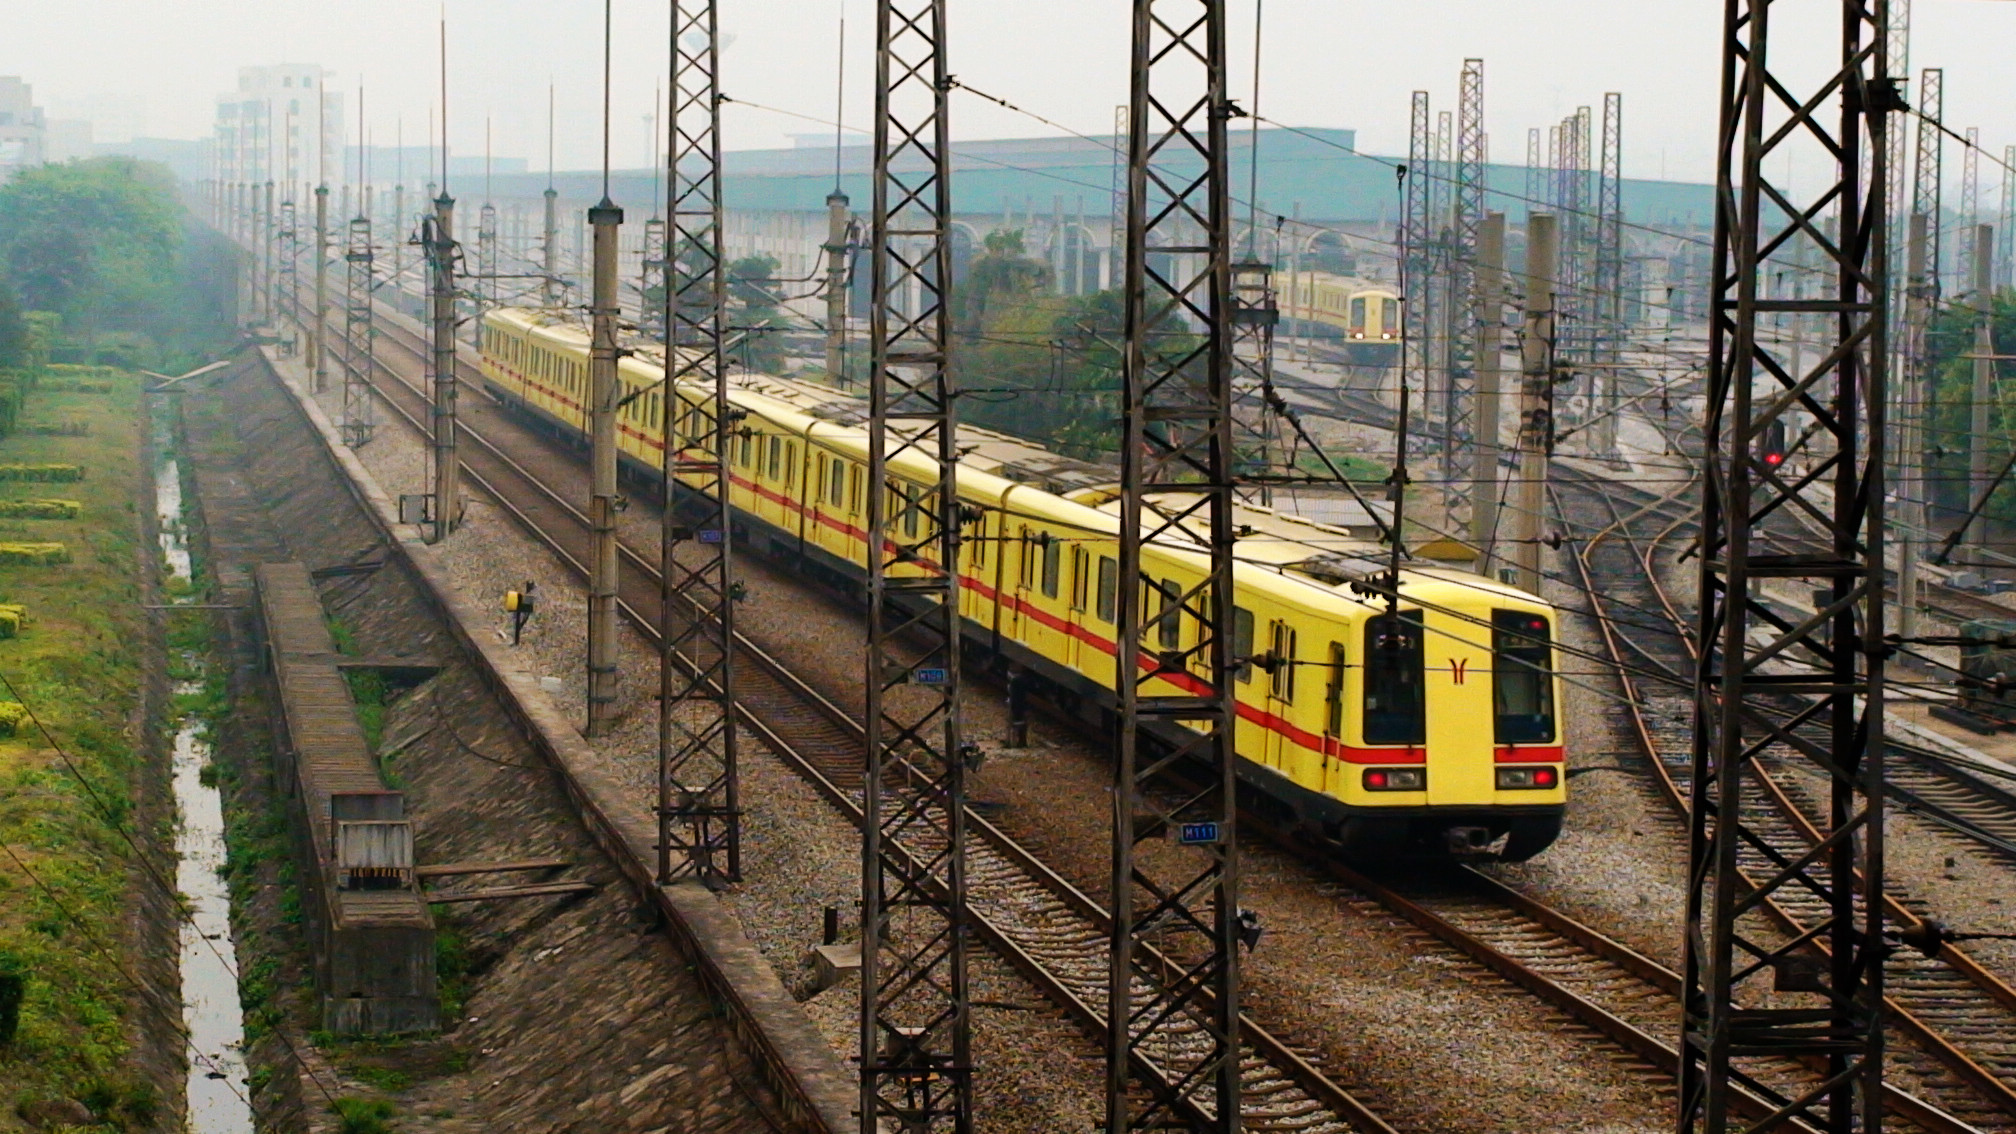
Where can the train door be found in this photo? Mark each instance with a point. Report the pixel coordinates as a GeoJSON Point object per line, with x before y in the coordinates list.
{"type": "Point", "coordinates": [1079, 584]}
{"type": "Point", "coordinates": [1281, 671]}
{"type": "Point", "coordinates": [1023, 567]}
{"type": "Point", "coordinates": [1331, 780]}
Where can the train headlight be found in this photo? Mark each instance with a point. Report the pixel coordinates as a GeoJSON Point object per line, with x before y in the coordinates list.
{"type": "Point", "coordinates": [1538, 778]}
{"type": "Point", "coordinates": [1395, 779]}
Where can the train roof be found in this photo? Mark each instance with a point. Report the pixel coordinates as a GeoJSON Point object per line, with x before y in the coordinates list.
{"type": "Point", "coordinates": [1084, 495]}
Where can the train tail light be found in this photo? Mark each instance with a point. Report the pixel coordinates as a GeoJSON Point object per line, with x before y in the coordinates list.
{"type": "Point", "coordinates": [1395, 779]}
{"type": "Point", "coordinates": [1539, 778]}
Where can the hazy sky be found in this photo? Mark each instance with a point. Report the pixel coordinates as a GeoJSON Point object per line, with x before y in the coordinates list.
{"type": "Point", "coordinates": [159, 65]}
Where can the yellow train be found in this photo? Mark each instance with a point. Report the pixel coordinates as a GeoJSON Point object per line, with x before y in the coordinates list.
{"type": "Point", "coordinates": [1365, 316]}
{"type": "Point", "coordinates": [1435, 730]}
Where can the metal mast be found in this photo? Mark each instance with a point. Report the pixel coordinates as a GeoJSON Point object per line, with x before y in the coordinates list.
{"type": "Point", "coordinates": [318, 327]}
{"type": "Point", "coordinates": [1417, 228]}
{"type": "Point", "coordinates": [1970, 209]}
{"type": "Point", "coordinates": [652, 275]}
{"type": "Point", "coordinates": [1536, 180]}
{"type": "Point", "coordinates": [699, 826]}
{"type": "Point", "coordinates": [1823, 1007]}
{"type": "Point", "coordinates": [1607, 305]}
{"type": "Point", "coordinates": [1926, 188]}
{"type": "Point", "coordinates": [358, 334]}
{"type": "Point", "coordinates": [1466, 215]}
{"type": "Point", "coordinates": [2005, 227]}
{"type": "Point", "coordinates": [916, 1061]}
{"type": "Point", "coordinates": [1173, 1044]}
{"type": "Point", "coordinates": [437, 235]}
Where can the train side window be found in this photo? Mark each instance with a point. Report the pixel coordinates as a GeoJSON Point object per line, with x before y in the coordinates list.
{"type": "Point", "coordinates": [1333, 693]}
{"type": "Point", "coordinates": [1281, 683]}
{"type": "Point", "coordinates": [1522, 694]}
{"type": "Point", "coordinates": [774, 464]}
{"type": "Point", "coordinates": [836, 484]}
{"type": "Point", "coordinates": [1109, 588]}
{"type": "Point", "coordinates": [913, 515]}
{"type": "Point", "coordinates": [1078, 581]}
{"type": "Point", "coordinates": [854, 489]}
{"type": "Point", "coordinates": [1395, 709]}
{"type": "Point", "coordinates": [1242, 642]}
{"type": "Point", "coordinates": [1053, 556]}
{"type": "Point", "coordinates": [980, 542]}
{"type": "Point", "coordinates": [1026, 569]}
{"type": "Point", "coordinates": [1169, 616]}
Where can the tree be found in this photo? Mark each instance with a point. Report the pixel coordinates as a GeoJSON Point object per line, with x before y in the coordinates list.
{"type": "Point", "coordinates": [755, 313]}
{"type": "Point", "coordinates": [1949, 434]}
{"type": "Point", "coordinates": [13, 330]}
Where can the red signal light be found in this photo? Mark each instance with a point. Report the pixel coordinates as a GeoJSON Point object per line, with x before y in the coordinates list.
{"type": "Point", "coordinates": [1774, 459]}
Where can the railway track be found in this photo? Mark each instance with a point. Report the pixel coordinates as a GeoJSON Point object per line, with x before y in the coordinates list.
{"type": "Point", "coordinates": [1033, 918]}
{"type": "Point", "coordinates": [1958, 1018]}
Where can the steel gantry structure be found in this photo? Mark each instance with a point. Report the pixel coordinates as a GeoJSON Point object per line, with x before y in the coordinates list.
{"type": "Point", "coordinates": [699, 815]}
{"type": "Point", "coordinates": [1466, 214]}
{"type": "Point", "coordinates": [1173, 996]}
{"type": "Point", "coordinates": [1823, 988]}
{"type": "Point", "coordinates": [1608, 302]}
{"type": "Point", "coordinates": [915, 1040]}
{"type": "Point", "coordinates": [359, 333]}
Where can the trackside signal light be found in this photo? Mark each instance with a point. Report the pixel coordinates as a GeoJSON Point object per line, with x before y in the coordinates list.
{"type": "Point", "coordinates": [1395, 779]}
{"type": "Point", "coordinates": [1528, 779]}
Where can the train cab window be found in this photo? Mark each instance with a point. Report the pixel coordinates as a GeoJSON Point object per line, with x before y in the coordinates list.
{"type": "Point", "coordinates": [1109, 588]}
{"type": "Point", "coordinates": [1389, 318]}
{"type": "Point", "coordinates": [1333, 693]}
{"type": "Point", "coordinates": [1242, 642]}
{"type": "Point", "coordinates": [1053, 563]}
{"type": "Point", "coordinates": [1521, 662]}
{"type": "Point", "coordinates": [1281, 683]}
{"type": "Point", "coordinates": [1078, 573]}
{"type": "Point", "coordinates": [1395, 705]}
{"type": "Point", "coordinates": [1358, 316]}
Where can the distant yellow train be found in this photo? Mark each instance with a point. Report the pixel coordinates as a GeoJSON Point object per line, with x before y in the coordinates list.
{"type": "Point", "coordinates": [1364, 315]}
{"type": "Point", "coordinates": [1435, 730]}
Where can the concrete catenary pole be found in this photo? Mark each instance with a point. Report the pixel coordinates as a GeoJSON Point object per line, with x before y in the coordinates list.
{"type": "Point", "coordinates": [1490, 300]}
{"type": "Point", "coordinates": [1536, 409]}
{"type": "Point", "coordinates": [318, 351]}
{"type": "Point", "coordinates": [836, 288]}
{"type": "Point", "coordinates": [267, 240]}
{"type": "Point", "coordinates": [1911, 438]}
{"type": "Point", "coordinates": [447, 424]}
{"type": "Point", "coordinates": [603, 393]}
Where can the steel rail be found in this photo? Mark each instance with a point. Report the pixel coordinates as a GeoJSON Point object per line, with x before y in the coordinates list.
{"type": "Point", "coordinates": [1991, 1088]}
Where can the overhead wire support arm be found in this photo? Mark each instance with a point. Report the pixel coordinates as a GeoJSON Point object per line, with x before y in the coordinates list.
{"type": "Point", "coordinates": [916, 1060]}
{"type": "Point", "coordinates": [1173, 1057]}
{"type": "Point", "coordinates": [1817, 998]}
{"type": "Point", "coordinates": [699, 785]}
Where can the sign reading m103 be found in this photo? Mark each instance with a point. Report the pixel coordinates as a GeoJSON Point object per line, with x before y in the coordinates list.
{"type": "Point", "coordinates": [1199, 834]}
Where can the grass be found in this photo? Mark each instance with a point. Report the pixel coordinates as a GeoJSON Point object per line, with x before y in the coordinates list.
{"type": "Point", "coordinates": [64, 882]}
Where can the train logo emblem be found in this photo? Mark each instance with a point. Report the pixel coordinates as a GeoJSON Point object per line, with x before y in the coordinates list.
{"type": "Point", "coordinates": [1456, 667]}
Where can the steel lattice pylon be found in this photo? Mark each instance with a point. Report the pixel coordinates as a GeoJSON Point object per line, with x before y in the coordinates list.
{"type": "Point", "coordinates": [1466, 214]}
{"type": "Point", "coordinates": [290, 255]}
{"type": "Point", "coordinates": [653, 270]}
{"type": "Point", "coordinates": [1417, 234]}
{"type": "Point", "coordinates": [1926, 192]}
{"type": "Point", "coordinates": [486, 255]}
{"type": "Point", "coordinates": [437, 240]}
{"type": "Point", "coordinates": [916, 1061]}
{"type": "Point", "coordinates": [1824, 1005]}
{"type": "Point", "coordinates": [2005, 227]}
{"type": "Point", "coordinates": [699, 824]}
{"type": "Point", "coordinates": [1608, 303]}
{"type": "Point", "coordinates": [1173, 1032]}
{"type": "Point", "coordinates": [359, 333]}
{"type": "Point", "coordinates": [1970, 209]}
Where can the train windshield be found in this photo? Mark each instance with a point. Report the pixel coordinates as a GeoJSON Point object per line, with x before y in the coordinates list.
{"type": "Point", "coordinates": [1521, 661]}
{"type": "Point", "coordinates": [1395, 711]}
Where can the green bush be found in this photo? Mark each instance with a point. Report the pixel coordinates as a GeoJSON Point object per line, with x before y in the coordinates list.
{"type": "Point", "coordinates": [363, 1116]}
{"type": "Point", "coordinates": [13, 714]}
{"type": "Point", "coordinates": [42, 474]}
{"type": "Point", "coordinates": [13, 987]}
{"type": "Point", "coordinates": [13, 616]}
{"type": "Point", "coordinates": [40, 509]}
{"type": "Point", "coordinates": [33, 554]}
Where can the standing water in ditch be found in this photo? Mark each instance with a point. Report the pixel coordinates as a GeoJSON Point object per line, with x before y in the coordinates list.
{"type": "Point", "coordinates": [217, 1079]}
